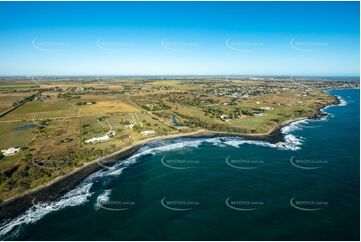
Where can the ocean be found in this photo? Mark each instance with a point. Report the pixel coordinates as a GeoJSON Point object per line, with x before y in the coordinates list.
{"type": "Point", "coordinates": [221, 188]}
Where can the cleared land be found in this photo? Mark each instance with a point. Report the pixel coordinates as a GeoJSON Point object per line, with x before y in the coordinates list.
{"type": "Point", "coordinates": [54, 128]}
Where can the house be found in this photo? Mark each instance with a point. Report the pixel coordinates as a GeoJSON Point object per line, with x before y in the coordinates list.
{"type": "Point", "coordinates": [148, 132]}
{"type": "Point", "coordinates": [97, 139]}
{"type": "Point", "coordinates": [266, 108]}
{"type": "Point", "coordinates": [257, 114]}
{"type": "Point", "coordinates": [108, 135]}
{"type": "Point", "coordinates": [80, 89]}
{"type": "Point", "coordinates": [11, 151]}
{"type": "Point", "coordinates": [224, 117]}
{"type": "Point", "coordinates": [111, 133]}
{"type": "Point", "coordinates": [130, 126]}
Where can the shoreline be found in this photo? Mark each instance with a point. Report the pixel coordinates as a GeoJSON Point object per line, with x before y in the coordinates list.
{"type": "Point", "coordinates": [60, 185]}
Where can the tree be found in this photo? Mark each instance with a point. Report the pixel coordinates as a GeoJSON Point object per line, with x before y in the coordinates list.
{"type": "Point", "coordinates": [136, 128]}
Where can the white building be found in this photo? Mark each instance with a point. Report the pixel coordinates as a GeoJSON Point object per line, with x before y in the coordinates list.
{"type": "Point", "coordinates": [97, 139]}
{"type": "Point", "coordinates": [224, 117]}
{"type": "Point", "coordinates": [266, 108]}
{"type": "Point", "coordinates": [10, 151]}
{"type": "Point", "coordinates": [130, 126]}
{"type": "Point", "coordinates": [111, 133]}
{"type": "Point", "coordinates": [258, 114]}
{"type": "Point", "coordinates": [148, 132]}
{"type": "Point", "coordinates": [102, 138]}
{"type": "Point", "coordinates": [80, 89]}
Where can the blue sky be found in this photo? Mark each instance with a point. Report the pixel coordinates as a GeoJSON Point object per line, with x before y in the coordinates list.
{"type": "Point", "coordinates": [179, 38]}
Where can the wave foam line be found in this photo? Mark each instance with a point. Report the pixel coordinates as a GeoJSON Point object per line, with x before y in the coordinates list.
{"type": "Point", "coordinates": [82, 193]}
{"type": "Point", "coordinates": [342, 103]}
{"type": "Point", "coordinates": [341, 100]}
{"type": "Point", "coordinates": [73, 198]}
{"type": "Point", "coordinates": [102, 198]}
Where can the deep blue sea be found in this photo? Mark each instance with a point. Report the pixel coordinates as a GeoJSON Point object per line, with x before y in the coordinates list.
{"type": "Point", "coordinates": [224, 188]}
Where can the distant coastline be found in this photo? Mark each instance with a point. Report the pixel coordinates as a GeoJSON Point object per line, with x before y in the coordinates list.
{"type": "Point", "coordinates": [60, 185]}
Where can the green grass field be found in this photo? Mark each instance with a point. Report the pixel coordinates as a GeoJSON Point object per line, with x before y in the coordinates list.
{"type": "Point", "coordinates": [55, 126]}
{"type": "Point", "coordinates": [43, 110]}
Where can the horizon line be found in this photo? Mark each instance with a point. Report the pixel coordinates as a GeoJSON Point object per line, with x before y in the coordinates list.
{"type": "Point", "coordinates": [178, 75]}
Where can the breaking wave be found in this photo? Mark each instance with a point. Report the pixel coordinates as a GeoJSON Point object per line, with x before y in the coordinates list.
{"type": "Point", "coordinates": [342, 101]}
{"type": "Point", "coordinates": [290, 141]}
{"type": "Point", "coordinates": [82, 193]}
{"type": "Point", "coordinates": [73, 198]}
{"type": "Point", "coordinates": [102, 198]}
{"type": "Point", "coordinates": [297, 125]}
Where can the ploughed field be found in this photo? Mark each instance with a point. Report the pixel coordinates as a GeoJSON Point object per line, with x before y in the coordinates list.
{"type": "Point", "coordinates": [66, 124]}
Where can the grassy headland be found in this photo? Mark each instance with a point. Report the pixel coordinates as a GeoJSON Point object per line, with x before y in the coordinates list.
{"type": "Point", "coordinates": [53, 129]}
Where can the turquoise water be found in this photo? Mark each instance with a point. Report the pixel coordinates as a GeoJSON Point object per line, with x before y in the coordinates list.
{"type": "Point", "coordinates": [306, 188]}
{"type": "Point", "coordinates": [175, 122]}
